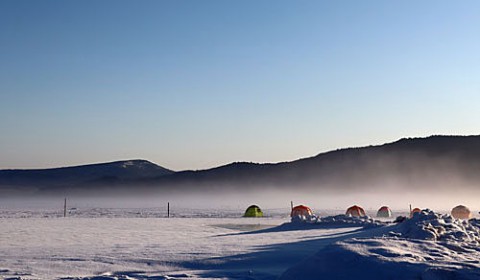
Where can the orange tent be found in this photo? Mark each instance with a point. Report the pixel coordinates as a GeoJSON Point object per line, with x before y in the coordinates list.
{"type": "Point", "coordinates": [355, 211]}
{"type": "Point", "coordinates": [461, 212]}
{"type": "Point", "coordinates": [301, 210]}
{"type": "Point", "coordinates": [415, 210]}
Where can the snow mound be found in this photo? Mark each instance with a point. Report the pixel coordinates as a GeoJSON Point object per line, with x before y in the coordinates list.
{"type": "Point", "coordinates": [340, 221]}
{"type": "Point", "coordinates": [302, 219]}
{"type": "Point", "coordinates": [428, 225]}
{"type": "Point", "coordinates": [387, 258]}
{"type": "Point", "coordinates": [427, 246]}
{"type": "Point", "coordinates": [347, 220]}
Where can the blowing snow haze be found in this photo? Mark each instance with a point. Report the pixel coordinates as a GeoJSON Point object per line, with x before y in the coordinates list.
{"type": "Point", "coordinates": [410, 165]}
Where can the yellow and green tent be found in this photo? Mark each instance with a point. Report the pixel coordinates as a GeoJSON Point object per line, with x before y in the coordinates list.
{"type": "Point", "coordinates": [253, 211]}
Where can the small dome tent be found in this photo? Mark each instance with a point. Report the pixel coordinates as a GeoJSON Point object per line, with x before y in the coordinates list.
{"type": "Point", "coordinates": [301, 213]}
{"type": "Point", "coordinates": [253, 211]}
{"type": "Point", "coordinates": [355, 211]}
{"type": "Point", "coordinates": [461, 212]}
{"type": "Point", "coordinates": [384, 212]}
{"type": "Point", "coordinates": [415, 210]}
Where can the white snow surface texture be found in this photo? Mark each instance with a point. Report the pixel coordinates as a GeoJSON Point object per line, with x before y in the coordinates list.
{"type": "Point", "coordinates": [122, 246]}
{"type": "Point", "coordinates": [428, 246]}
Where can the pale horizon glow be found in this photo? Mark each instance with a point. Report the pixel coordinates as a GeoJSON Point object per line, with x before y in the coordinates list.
{"type": "Point", "coordinates": [71, 164]}
{"type": "Point", "coordinates": [192, 85]}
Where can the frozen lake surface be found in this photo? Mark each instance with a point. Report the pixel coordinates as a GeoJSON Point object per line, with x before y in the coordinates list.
{"type": "Point", "coordinates": [141, 244]}
{"type": "Point", "coordinates": [42, 245]}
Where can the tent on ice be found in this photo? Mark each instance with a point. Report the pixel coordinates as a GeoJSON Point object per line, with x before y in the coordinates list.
{"type": "Point", "coordinates": [302, 213]}
{"type": "Point", "coordinates": [355, 211]}
{"type": "Point", "coordinates": [384, 212]}
{"type": "Point", "coordinates": [461, 212]}
{"type": "Point", "coordinates": [253, 211]}
{"type": "Point", "coordinates": [415, 210]}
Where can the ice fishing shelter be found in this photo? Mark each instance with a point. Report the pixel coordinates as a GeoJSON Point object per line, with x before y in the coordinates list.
{"type": "Point", "coordinates": [384, 212]}
{"type": "Point", "coordinates": [355, 211]}
{"type": "Point", "coordinates": [253, 211]}
{"type": "Point", "coordinates": [301, 210]}
{"type": "Point", "coordinates": [461, 212]}
{"type": "Point", "coordinates": [415, 210]}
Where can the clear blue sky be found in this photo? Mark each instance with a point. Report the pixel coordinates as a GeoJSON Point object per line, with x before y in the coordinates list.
{"type": "Point", "coordinates": [195, 84]}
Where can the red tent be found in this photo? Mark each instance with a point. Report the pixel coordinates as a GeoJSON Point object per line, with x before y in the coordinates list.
{"type": "Point", "coordinates": [415, 210]}
{"type": "Point", "coordinates": [355, 211]}
{"type": "Point", "coordinates": [301, 210]}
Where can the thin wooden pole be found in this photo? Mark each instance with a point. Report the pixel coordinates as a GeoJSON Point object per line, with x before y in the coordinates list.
{"type": "Point", "coordinates": [65, 208]}
{"type": "Point", "coordinates": [291, 205]}
{"type": "Point", "coordinates": [168, 209]}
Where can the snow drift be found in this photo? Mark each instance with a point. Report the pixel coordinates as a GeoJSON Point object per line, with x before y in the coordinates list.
{"type": "Point", "coordinates": [352, 221]}
{"type": "Point", "coordinates": [428, 246]}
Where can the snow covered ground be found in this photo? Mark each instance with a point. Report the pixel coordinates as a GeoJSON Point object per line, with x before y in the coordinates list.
{"type": "Point", "coordinates": [428, 246]}
{"type": "Point", "coordinates": [43, 245]}
{"type": "Point", "coordinates": [94, 244]}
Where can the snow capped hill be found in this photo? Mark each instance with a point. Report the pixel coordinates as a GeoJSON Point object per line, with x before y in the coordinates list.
{"type": "Point", "coordinates": [84, 174]}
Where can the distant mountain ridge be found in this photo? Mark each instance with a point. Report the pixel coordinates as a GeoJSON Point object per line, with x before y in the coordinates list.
{"type": "Point", "coordinates": [408, 161]}
{"type": "Point", "coordinates": [412, 163]}
{"type": "Point", "coordinates": [83, 174]}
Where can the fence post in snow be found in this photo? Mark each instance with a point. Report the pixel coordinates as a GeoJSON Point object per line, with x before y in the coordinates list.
{"type": "Point", "coordinates": [168, 209]}
{"type": "Point", "coordinates": [65, 208]}
{"type": "Point", "coordinates": [291, 205]}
